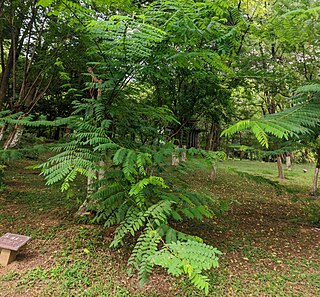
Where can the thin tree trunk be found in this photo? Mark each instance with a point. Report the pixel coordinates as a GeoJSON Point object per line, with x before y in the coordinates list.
{"type": "Point", "coordinates": [2, 130]}
{"type": "Point", "coordinates": [2, 54]}
{"type": "Point", "coordinates": [184, 153]}
{"type": "Point", "coordinates": [210, 137]}
{"type": "Point", "coordinates": [90, 181]}
{"type": "Point", "coordinates": [314, 187]}
{"type": "Point", "coordinates": [175, 157]}
{"type": "Point", "coordinates": [83, 209]}
{"type": "Point", "coordinates": [6, 72]}
{"type": "Point", "coordinates": [241, 153]}
{"type": "Point", "coordinates": [101, 172]}
{"type": "Point", "coordinates": [280, 169]}
{"type": "Point", "coordinates": [14, 137]}
{"type": "Point", "coordinates": [214, 171]}
{"type": "Point", "coordinates": [14, 64]}
{"type": "Point", "coordinates": [315, 182]}
{"type": "Point", "coordinates": [288, 162]}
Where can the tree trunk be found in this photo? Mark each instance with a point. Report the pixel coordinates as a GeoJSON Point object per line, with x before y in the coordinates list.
{"type": "Point", "coordinates": [214, 171]}
{"type": "Point", "coordinates": [288, 162]}
{"type": "Point", "coordinates": [175, 157]}
{"type": "Point", "coordinates": [213, 138]}
{"type": "Point", "coordinates": [280, 169]}
{"type": "Point", "coordinates": [315, 176]}
{"type": "Point", "coordinates": [14, 137]}
{"type": "Point", "coordinates": [241, 154]}
{"type": "Point", "coordinates": [101, 172]}
{"type": "Point", "coordinates": [83, 209]}
{"type": "Point", "coordinates": [90, 187]}
{"type": "Point", "coordinates": [6, 72]}
{"type": "Point", "coordinates": [210, 138]}
{"type": "Point", "coordinates": [184, 153]}
{"type": "Point", "coordinates": [2, 130]}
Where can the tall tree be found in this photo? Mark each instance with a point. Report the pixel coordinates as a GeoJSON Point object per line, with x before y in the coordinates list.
{"type": "Point", "coordinates": [189, 67]}
{"type": "Point", "coordinates": [28, 66]}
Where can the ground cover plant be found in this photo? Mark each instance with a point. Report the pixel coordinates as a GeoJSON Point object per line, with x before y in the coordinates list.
{"type": "Point", "coordinates": [270, 243]}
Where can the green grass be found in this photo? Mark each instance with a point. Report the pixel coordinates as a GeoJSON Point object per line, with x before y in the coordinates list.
{"type": "Point", "coordinates": [263, 282]}
{"type": "Point", "coordinates": [69, 277]}
{"type": "Point", "coordinates": [295, 178]}
{"type": "Point", "coordinates": [7, 218]}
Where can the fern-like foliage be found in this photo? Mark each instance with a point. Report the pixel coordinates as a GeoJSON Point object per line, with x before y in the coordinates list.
{"type": "Point", "coordinates": [130, 30]}
{"type": "Point", "coordinates": [189, 258]}
{"type": "Point", "coordinates": [138, 201]}
{"type": "Point", "coordinates": [299, 119]}
{"type": "Point", "coordinates": [194, 21]}
{"type": "Point", "coordinates": [77, 156]}
{"type": "Point", "coordinates": [9, 120]}
{"type": "Point", "coordinates": [19, 118]}
{"type": "Point", "coordinates": [145, 248]}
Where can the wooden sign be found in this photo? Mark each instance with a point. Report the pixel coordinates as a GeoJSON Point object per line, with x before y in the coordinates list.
{"type": "Point", "coordinates": [13, 242]}
{"type": "Point", "coordinates": [9, 245]}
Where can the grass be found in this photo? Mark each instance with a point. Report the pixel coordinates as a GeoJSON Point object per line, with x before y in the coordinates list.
{"type": "Point", "coordinates": [267, 232]}
{"type": "Point", "coordinates": [70, 277]}
{"type": "Point", "coordinates": [269, 170]}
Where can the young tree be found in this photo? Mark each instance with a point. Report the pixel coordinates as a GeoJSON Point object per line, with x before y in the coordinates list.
{"type": "Point", "coordinates": [116, 131]}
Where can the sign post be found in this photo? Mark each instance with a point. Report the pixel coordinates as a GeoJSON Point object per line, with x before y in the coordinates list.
{"type": "Point", "coordinates": [10, 244]}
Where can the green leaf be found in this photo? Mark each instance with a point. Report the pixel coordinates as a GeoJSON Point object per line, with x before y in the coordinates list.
{"type": "Point", "coordinates": [44, 3]}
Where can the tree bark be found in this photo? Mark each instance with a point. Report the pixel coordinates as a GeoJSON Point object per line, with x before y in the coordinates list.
{"type": "Point", "coordinates": [213, 138]}
{"type": "Point", "coordinates": [17, 23]}
{"type": "Point", "coordinates": [83, 209]}
{"type": "Point", "coordinates": [280, 169]}
{"type": "Point", "coordinates": [288, 162]}
{"type": "Point", "coordinates": [2, 54]}
{"type": "Point", "coordinates": [175, 157]}
{"type": "Point", "coordinates": [2, 130]}
{"type": "Point", "coordinates": [184, 154]}
{"type": "Point", "coordinates": [101, 172]}
{"type": "Point", "coordinates": [210, 137]}
{"type": "Point", "coordinates": [314, 187]}
{"type": "Point", "coordinates": [90, 181]}
{"type": "Point", "coordinates": [14, 136]}
{"type": "Point", "coordinates": [6, 72]}
{"type": "Point", "coordinates": [214, 171]}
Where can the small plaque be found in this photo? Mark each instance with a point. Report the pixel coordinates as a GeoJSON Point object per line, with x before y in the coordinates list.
{"type": "Point", "coordinates": [13, 242]}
